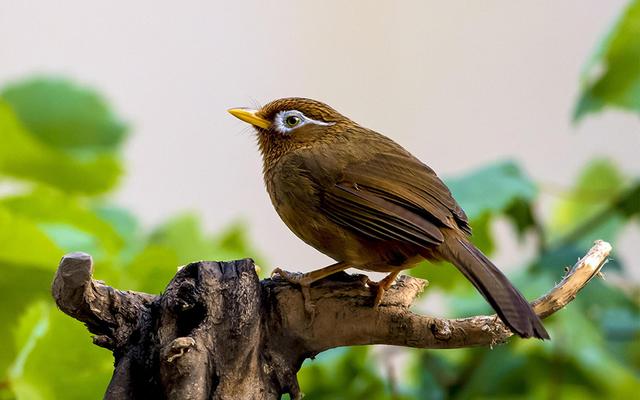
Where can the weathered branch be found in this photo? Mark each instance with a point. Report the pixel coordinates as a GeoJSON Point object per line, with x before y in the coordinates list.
{"type": "Point", "coordinates": [217, 332]}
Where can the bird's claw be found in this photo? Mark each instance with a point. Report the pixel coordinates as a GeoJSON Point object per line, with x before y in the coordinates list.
{"type": "Point", "coordinates": [378, 289]}
{"type": "Point", "coordinates": [302, 280]}
{"type": "Point", "coordinates": [296, 278]}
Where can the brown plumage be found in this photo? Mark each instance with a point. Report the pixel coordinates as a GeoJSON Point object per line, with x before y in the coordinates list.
{"type": "Point", "coordinates": [366, 202]}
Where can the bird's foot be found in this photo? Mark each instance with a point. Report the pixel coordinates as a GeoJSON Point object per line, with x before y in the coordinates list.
{"type": "Point", "coordinates": [379, 291]}
{"type": "Point", "coordinates": [381, 287]}
{"type": "Point", "coordinates": [297, 278]}
{"type": "Point", "coordinates": [304, 281]}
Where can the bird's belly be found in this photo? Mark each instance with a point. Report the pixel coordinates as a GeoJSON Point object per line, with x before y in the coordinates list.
{"type": "Point", "coordinates": [319, 232]}
{"type": "Point", "coordinates": [297, 203]}
{"type": "Point", "coordinates": [342, 244]}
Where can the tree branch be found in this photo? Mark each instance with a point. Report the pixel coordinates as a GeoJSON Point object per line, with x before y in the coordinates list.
{"type": "Point", "coordinates": [109, 313]}
{"type": "Point", "coordinates": [393, 323]}
{"type": "Point", "coordinates": [219, 333]}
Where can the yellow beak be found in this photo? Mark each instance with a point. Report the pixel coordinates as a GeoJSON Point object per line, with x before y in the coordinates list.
{"type": "Point", "coordinates": [250, 116]}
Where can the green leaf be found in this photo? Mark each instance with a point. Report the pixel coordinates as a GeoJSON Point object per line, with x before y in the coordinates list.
{"type": "Point", "coordinates": [184, 235]}
{"type": "Point", "coordinates": [599, 296]}
{"type": "Point", "coordinates": [23, 156]}
{"type": "Point", "coordinates": [596, 193]}
{"type": "Point", "coordinates": [65, 115]}
{"type": "Point", "coordinates": [621, 324]}
{"type": "Point", "coordinates": [33, 324]}
{"type": "Point", "coordinates": [589, 352]}
{"type": "Point", "coordinates": [435, 375]}
{"type": "Point", "coordinates": [612, 75]}
{"type": "Point", "coordinates": [557, 258]}
{"type": "Point", "coordinates": [492, 189]}
{"type": "Point", "coordinates": [482, 237]}
{"type": "Point", "coordinates": [120, 220]}
{"type": "Point", "coordinates": [519, 371]}
{"type": "Point", "coordinates": [152, 268]}
{"type": "Point", "coordinates": [597, 185]}
{"type": "Point", "coordinates": [521, 214]}
{"type": "Point", "coordinates": [574, 358]}
{"type": "Point", "coordinates": [439, 274]}
{"type": "Point", "coordinates": [344, 374]}
{"type": "Point", "coordinates": [628, 203]}
{"type": "Point", "coordinates": [69, 238]}
{"type": "Point", "coordinates": [68, 220]}
{"type": "Point", "coordinates": [24, 243]}
{"type": "Point", "coordinates": [179, 241]}
{"type": "Point", "coordinates": [20, 286]}
{"type": "Point", "coordinates": [75, 370]}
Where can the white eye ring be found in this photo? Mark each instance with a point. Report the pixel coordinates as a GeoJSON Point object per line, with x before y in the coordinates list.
{"type": "Point", "coordinates": [287, 121]}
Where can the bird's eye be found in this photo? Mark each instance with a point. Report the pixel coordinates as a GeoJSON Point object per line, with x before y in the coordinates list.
{"type": "Point", "coordinates": [292, 121]}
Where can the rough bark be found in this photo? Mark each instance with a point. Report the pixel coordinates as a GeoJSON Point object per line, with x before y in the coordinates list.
{"type": "Point", "coordinates": [217, 332]}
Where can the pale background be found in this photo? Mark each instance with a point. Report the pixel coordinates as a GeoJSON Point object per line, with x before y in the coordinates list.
{"type": "Point", "coordinates": [460, 85]}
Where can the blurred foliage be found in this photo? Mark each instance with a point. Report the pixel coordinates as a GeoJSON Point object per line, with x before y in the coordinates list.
{"type": "Point", "coordinates": [60, 156]}
{"type": "Point", "coordinates": [65, 116]}
{"type": "Point", "coordinates": [611, 78]}
{"type": "Point", "coordinates": [25, 157]}
{"type": "Point", "coordinates": [344, 374]}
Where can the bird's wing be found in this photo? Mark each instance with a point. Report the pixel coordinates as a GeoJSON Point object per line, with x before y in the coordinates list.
{"type": "Point", "coordinates": [393, 197]}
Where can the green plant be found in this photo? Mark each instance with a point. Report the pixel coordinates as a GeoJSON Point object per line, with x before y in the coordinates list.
{"type": "Point", "coordinates": [60, 156]}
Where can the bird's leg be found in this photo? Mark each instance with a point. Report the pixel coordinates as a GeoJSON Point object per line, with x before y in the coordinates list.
{"type": "Point", "coordinates": [382, 286]}
{"type": "Point", "coordinates": [306, 279]}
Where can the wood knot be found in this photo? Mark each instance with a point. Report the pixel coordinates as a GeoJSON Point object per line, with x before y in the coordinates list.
{"type": "Point", "coordinates": [441, 330]}
{"type": "Point", "coordinates": [104, 341]}
{"type": "Point", "coordinates": [178, 347]}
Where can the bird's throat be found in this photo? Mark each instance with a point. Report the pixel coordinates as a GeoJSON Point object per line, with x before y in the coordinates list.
{"type": "Point", "coordinates": [272, 148]}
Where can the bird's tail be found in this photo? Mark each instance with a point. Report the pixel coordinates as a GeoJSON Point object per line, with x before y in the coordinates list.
{"type": "Point", "coordinates": [512, 308]}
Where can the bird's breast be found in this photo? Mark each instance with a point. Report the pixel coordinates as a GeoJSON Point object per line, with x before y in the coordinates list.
{"type": "Point", "coordinates": [297, 200]}
{"type": "Point", "coordinates": [296, 194]}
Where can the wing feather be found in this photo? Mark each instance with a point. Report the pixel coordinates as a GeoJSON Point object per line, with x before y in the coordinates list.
{"type": "Point", "coordinates": [393, 197]}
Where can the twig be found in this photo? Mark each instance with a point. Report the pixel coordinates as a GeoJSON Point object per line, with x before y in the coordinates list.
{"type": "Point", "coordinates": [394, 324]}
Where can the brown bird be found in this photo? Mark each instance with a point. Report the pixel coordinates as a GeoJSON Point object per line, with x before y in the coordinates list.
{"type": "Point", "coordinates": [363, 200]}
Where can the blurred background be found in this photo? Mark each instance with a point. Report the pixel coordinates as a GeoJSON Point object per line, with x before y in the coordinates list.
{"type": "Point", "coordinates": [114, 140]}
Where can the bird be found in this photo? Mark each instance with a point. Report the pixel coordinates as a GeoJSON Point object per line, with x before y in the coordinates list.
{"type": "Point", "coordinates": [366, 202]}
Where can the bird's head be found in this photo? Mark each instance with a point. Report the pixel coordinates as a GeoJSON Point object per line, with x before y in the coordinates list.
{"type": "Point", "coordinates": [288, 124]}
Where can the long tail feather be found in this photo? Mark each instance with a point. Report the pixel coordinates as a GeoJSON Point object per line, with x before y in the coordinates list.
{"type": "Point", "coordinates": [512, 308]}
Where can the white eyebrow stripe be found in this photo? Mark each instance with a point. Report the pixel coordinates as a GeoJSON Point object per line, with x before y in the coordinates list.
{"type": "Point", "coordinates": [323, 123]}
{"type": "Point", "coordinates": [282, 128]}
